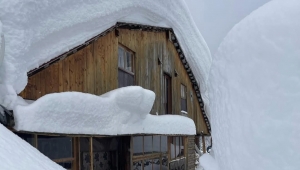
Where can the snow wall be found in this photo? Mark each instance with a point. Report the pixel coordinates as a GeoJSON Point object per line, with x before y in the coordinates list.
{"type": "Point", "coordinates": [37, 31]}
{"type": "Point", "coordinates": [255, 91]}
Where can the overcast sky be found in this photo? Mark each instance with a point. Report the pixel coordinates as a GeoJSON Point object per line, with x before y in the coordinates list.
{"type": "Point", "coordinates": [215, 18]}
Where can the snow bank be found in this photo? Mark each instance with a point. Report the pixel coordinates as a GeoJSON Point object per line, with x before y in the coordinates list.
{"type": "Point", "coordinates": [208, 162]}
{"type": "Point", "coordinates": [37, 31]}
{"type": "Point", "coordinates": [16, 154]}
{"type": "Point", "coordinates": [255, 91]}
{"type": "Point", "coordinates": [1, 45]}
{"type": "Point", "coordinates": [121, 111]}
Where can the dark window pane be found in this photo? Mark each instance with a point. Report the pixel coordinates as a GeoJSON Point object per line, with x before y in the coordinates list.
{"type": "Point", "coordinates": [55, 147]}
{"type": "Point", "coordinates": [156, 143]}
{"type": "Point", "coordinates": [66, 165]}
{"type": "Point", "coordinates": [120, 57]}
{"type": "Point", "coordinates": [164, 144]}
{"type": "Point", "coordinates": [137, 165]}
{"type": "Point", "coordinates": [85, 158]}
{"type": "Point", "coordinates": [167, 94]}
{"type": "Point", "coordinates": [27, 137]}
{"type": "Point", "coordinates": [148, 164]}
{"type": "Point", "coordinates": [183, 105]}
{"type": "Point", "coordinates": [156, 164]}
{"type": "Point", "coordinates": [164, 163]}
{"type": "Point", "coordinates": [148, 144]}
{"type": "Point", "coordinates": [138, 145]}
{"type": "Point", "coordinates": [125, 79]}
{"type": "Point", "coordinates": [128, 65]}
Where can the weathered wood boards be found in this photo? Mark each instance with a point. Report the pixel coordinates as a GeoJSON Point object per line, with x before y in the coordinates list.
{"type": "Point", "coordinates": [94, 69]}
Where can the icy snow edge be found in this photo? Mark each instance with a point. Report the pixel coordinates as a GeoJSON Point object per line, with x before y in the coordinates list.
{"type": "Point", "coordinates": [121, 111]}
{"type": "Point", "coordinates": [37, 31]}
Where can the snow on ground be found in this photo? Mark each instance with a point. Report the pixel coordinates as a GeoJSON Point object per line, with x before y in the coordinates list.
{"type": "Point", "coordinates": [208, 162]}
{"type": "Point", "coordinates": [16, 154]}
{"type": "Point", "coordinates": [255, 91]}
{"type": "Point", "coordinates": [121, 111]}
{"type": "Point", "coordinates": [37, 31]}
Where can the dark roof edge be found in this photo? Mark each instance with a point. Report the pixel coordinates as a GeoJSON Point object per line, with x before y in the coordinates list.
{"type": "Point", "coordinates": [133, 26]}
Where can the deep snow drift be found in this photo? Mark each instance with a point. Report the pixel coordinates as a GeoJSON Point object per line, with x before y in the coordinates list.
{"type": "Point", "coordinates": [17, 154]}
{"type": "Point", "coordinates": [37, 31]}
{"type": "Point", "coordinates": [208, 162]}
{"type": "Point", "coordinates": [255, 91]}
{"type": "Point", "coordinates": [121, 111]}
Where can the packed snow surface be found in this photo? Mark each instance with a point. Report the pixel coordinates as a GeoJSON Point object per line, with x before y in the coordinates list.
{"type": "Point", "coordinates": [121, 111]}
{"type": "Point", "coordinates": [208, 162]}
{"type": "Point", "coordinates": [255, 91]}
{"type": "Point", "coordinates": [17, 154]}
{"type": "Point", "coordinates": [37, 31]}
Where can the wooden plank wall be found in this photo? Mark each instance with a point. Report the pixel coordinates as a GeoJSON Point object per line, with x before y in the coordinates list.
{"type": "Point", "coordinates": [94, 69]}
{"type": "Point", "coordinates": [83, 71]}
{"type": "Point", "coordinates": [148, 47]}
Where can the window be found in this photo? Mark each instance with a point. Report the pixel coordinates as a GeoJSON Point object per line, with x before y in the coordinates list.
{"type": "Point", "coordinates": [167, 94]}
{"type": "Point", "coordinates": [183, 98]}
{"type": "Point", "coordinates": [178, 159]}
{"type": "Point", "coordinates": [57, 148]}
{"type": "Point", "coordinates": [126, 67]}
{"type": "Point", "coordinates": [150, 152]}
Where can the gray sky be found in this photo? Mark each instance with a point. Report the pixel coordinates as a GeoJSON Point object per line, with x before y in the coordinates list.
{"type": "Point", "coordinates": [215, 18]}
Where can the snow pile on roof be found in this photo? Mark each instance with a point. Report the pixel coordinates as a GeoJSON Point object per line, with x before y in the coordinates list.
{"type": "Point", "coordinates": [37, 31]}
{"type": "Point", "coordinates": [255, 91]}
{"type": "Point", "coordinates": [121, 111]}
{"type": "Point", "coordinates": [16, 154]}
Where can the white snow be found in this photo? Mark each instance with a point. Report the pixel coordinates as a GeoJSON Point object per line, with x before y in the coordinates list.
{"type": "Point", "coordinates": [121, 111]}
{"type": "Point", "coordinates": [16, 154]}
{"type": "Point", "coordinates": [255, 91]}
{"type": "Point", "coordinates": [208, 162]}
{"type": "Point", "coordinates": [1, 44]}
{"type": "Point", "coordinates": [37, 31]}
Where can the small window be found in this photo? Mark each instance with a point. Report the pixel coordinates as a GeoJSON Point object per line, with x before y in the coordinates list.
{"type": "Point", "coordinates": [126, 67]}
{"type": "Point", "coordinates": [125, 58]}
{"type": "Point", "coordinates": [183, 98]}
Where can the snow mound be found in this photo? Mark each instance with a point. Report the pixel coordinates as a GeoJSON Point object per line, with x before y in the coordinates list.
{"type": "Point", "coordinates": [121, 111]}
{"type": "Point", "coordinates": [208, 162]}
{"type": "Point", "coordinates": [37, 31]}
{"type": "Point", "coordinates": [16, 154]}
{"type": "Point", "coordinates": [255, 91]}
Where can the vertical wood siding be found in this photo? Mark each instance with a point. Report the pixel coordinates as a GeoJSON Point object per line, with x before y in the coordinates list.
{"type": "Point", "coordinates": [94, 69]}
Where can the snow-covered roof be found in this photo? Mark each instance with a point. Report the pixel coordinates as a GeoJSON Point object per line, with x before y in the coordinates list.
{"type": "Point", "coordinates": [120, 112]}
{"type": "Point", "coordinates": [16, 154]}
{"type": "Point", "coordinates": [37, 31]}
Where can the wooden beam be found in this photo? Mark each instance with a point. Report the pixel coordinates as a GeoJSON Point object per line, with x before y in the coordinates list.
{"type": "Point", "coordinates": [203, 144]}
{"type": "Point", "coordinates": [91, 154]}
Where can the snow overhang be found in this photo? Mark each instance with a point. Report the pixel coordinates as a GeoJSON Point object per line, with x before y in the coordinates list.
{"type": "Point", "coordinates": [123, 111]}
{"type": "Point", "coordinates": [38, 31]}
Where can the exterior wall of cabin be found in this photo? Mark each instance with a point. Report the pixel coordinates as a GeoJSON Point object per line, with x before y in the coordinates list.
{"type": "Point", "coordinates": [94, 69]}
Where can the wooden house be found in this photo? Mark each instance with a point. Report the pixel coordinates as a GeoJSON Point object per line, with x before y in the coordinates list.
{"type": "Point", "coordinates": [125, 54]}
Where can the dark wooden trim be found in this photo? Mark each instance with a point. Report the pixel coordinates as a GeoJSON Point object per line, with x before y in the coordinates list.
{"type": "Point", "coordinates": [126, 71]}
{"type": "Point", "coordinates": [63, 160]}
{"type": "Point", "coordinates": [91, 154]}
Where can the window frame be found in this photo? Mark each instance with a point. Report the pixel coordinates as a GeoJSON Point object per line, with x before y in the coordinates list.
{"type": "Point", "coordinates": [142, 158]}
{"type": "Point", "coordinates": [183, 97]}
{"type": "Point", "coordinates": [71, 159]}
{"type": "Point", "coordinates": [126, 49]}
{"type": "Point", "coordinates": [122, 69]}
